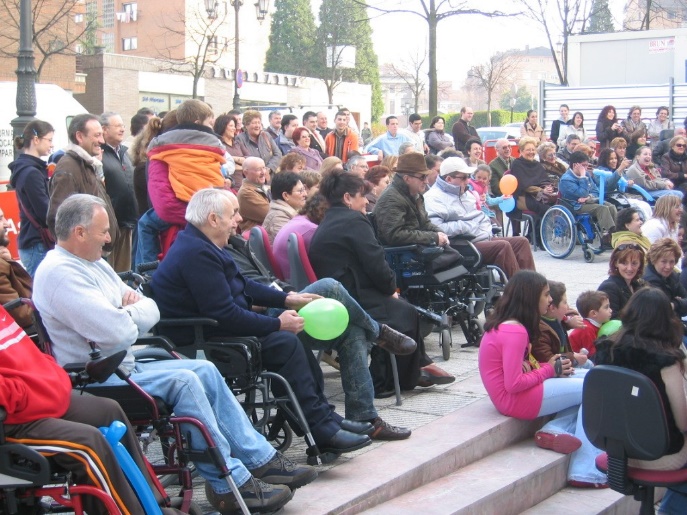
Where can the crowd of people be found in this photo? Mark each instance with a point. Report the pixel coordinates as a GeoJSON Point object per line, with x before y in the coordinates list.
{"type": "Point", "coordinates": [190, 187]}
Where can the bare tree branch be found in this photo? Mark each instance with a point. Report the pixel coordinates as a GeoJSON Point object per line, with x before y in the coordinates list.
{"type": "Point", "coordinates": [411, 72]}
{"type": "Point", "coordinates": [493, 75]}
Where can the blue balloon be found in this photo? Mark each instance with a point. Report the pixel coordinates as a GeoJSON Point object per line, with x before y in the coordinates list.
{"type": "Point", "coordinates": [507, 204]}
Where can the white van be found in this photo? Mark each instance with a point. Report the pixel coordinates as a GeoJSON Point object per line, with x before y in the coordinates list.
{"type": "Point", "coordinates": [53, 105]}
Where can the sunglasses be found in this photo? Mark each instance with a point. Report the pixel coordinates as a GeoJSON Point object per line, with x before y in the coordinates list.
{"type": "Point", "coordinates": [680, 145]}
{"type": "Point", "coordinates": [632, 246]}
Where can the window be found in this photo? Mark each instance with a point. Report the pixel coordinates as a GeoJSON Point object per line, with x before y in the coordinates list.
{"type": "Point", "coordinates": [212, 44]}
{"type": "Point", "coordinates": [108, 42]}
{"type": "Point", "coordinates": [129, 44]}
{"type": "Point", "coordinates": [131, 11]}
{"type": "Point", "coordinates": [78, 18]}
{"type": "Point", "coordinates": [108, 14]}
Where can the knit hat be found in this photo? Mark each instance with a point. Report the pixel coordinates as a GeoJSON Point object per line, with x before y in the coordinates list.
{"type": "Point", "coordinates": [455, 164]}
{"type": "Point", "coordinates": [412, 163]}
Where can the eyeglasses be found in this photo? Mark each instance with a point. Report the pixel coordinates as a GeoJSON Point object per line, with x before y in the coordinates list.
{"type": "Point", "coordinates": [422, 178]}
{"type": "Point", "coordinates": [299, 191]}
{"type": "Point", "coordinates": [461, 177]}
{"type": "Point", "coordinates": [680, 145]}
{"type": "Point", "coordinates": [631, 246]}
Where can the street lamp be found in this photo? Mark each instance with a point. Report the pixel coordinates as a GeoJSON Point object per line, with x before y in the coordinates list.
{"type": "Point", "coordinates": [26, 72]}
{"type": "Point", "coordinates": [513, 99]}
{"type": "Point", "coordinates": [262, 7]}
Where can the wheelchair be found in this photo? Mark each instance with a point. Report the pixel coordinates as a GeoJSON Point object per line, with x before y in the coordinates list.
{"type": "Point", "coordinates": [457, 295]}
{"type": "Point", "coordinates": [238, 360]}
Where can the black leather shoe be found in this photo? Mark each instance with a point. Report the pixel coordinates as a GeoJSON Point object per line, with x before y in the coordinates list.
{"type": "Point", "coordinates": [395, 342]}
{"type": "Point", "coordinates": [359, 428]}
{"type": "Point", "coordinates": [345, 441]}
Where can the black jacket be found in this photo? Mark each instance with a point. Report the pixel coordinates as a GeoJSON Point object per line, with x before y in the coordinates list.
{"type": "Point", "coordinates": [30, 180]}
{"type": "Point", "coordinates": [670, 286]}
{"type": "Point", "coordinates": [618, 293]}
{"type": "Point", "coordinates": [119, 184]}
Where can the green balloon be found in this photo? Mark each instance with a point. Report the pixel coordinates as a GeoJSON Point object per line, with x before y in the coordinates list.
{"type": "Point", "coordinates": [610, 327]}
{"type": "Point", "coordinates": [325, 319]}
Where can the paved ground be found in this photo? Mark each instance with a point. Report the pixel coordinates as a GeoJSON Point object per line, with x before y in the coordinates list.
{"type": "Point", "coordinates": [422, 406]}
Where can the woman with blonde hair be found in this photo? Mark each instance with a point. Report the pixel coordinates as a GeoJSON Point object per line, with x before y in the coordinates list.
{"type": "Point", "coordinates": [666, 219]}
{"type": "Point", "coordinates": [535, 191]}
{"type": "Point", "coordinates": [330, 163]}
{"type": "Point", "coordinates": [552, 164]}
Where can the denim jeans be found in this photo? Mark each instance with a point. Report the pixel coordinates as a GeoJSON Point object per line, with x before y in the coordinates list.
{"type": "Point", "coordinates": [563, 396]}
{"type": "Point", "coordinates": [195, 389]}
{"type": "Point", "coordinates": [31, 257]}
{"type": "Point", "coordinates": [352, 346]}
{"type": "Point", "coordinates": [149, 228]}
{"type": "Point", "coordinates": [674, 501]}
{"type": "Point", "coordinates": [657, 194]}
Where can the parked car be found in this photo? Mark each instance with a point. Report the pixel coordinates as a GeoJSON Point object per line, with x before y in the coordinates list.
{"type": "Point", "coordinates": [494, 133]}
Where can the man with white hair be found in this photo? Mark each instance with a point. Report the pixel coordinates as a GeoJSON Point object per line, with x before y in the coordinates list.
{"type": "Point", "coordinates": [82, 300]}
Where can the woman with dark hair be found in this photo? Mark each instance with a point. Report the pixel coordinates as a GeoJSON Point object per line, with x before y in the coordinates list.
{"type": "Point", "coordinates": [288, 197]}
{"type": "Point", "coordinates": [607, 126]}
{"type": "Point", "coordinates": [313, 159]}
{"type": "Point", "coordinates": [30, 180]}
{"type": "Point", "coordinates": [437, 139]}
{"type": "Point", "coordinates": [574, 126]}
{"type": "Point", "coordinates": [634, 131]}
{"type": "Point", "coordinates": [473, 149]}
{"type": "Point", "coordinates": [644, 174]}
{"type": "Point", "coordinates": [521, 387]}
{"type": "Point", "coordinates": [379, 178]}
{"type": "Point", "coordinates": [629, 229]}
{"type": "Point", "coordinates": [650, 342]}
{"type": "Point", "coordinates": [674, 163]}
{"type": "Point", "coordinates": [535, 191]}
{"type": "Point", "coordinates": [662, 122]}
{"type": "Point", "coordinates": [226, 127]}
{"type": "Point", "coordinates": [625, 270]}
{"type": "Point", "coordinates": [345, 248]}
{"type": "Point", "coordinates": [531, 127]}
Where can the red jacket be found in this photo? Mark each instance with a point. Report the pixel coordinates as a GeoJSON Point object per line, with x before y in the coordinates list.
{"type": "Point", "coordinates": [584, 338]}
{"type": "Point", "coordinates": [32, 385]}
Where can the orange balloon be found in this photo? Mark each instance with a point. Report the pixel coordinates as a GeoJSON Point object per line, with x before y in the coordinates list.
{"type": "Point", "coordinates": [508, 184]}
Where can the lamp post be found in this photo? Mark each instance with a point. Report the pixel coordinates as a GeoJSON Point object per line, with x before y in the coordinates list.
{"type": "Point", "coordinates": [514, 94]}
{"type": "Point", "coordinates": [26, 72]}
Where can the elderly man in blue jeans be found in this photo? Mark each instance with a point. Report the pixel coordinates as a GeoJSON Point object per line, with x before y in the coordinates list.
{"type": "Point", "coordinates": [215, 287]}
{"type": "Point", "coordinates": [82, 300]}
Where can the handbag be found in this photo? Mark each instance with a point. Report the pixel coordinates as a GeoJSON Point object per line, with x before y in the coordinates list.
{"type": "Point", "coordinates": [45, 234]}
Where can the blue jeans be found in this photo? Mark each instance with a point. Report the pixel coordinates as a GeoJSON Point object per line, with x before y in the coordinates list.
{"type": "Point", "coordinates": [149, 228]}
{"type": "Point", "coordinates": [195, 389]}
{"type": "Point", "coordinates": [563, 396]}
{"type": "Point", "coordinates": [31, 257]}
{"type": "Point", "coordinates": [352, 346]}
{"type": "Point", "coordinates": [674, 501]}
{"type": "Point", "coordinates": [657, 194]}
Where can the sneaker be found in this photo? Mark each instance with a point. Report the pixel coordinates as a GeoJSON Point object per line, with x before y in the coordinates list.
{"type": "Point", "coordinates": [385, 431]}
{"type": "Point", "coordinates": [557, 442]}
{"type": "Point", "coordinates": [584, 484]}
{"type": "Point", "coordinates": [258, 496]}
{"type": "Point", "coordinates": [280, 470]}
{"type": "Point", "coordinates": [396, 343]}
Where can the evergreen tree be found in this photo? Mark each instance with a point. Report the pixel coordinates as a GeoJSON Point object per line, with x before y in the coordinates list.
{"type": "Point", "coordinates": [600, 19]}
{"type": "Point", "coordinates": [292, 38]}
{"type": "Point", "coordinates": [345, 23]}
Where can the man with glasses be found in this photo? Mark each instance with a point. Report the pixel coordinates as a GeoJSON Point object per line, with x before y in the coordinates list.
{"type": "Point", "coordinates": [401, 216]}
{"type": "Point", "coordinates": [500, 164]}
{"type": "Point", "coordinates": [357, 165]}
{"type": "Point", "coordinates": [453, 209]}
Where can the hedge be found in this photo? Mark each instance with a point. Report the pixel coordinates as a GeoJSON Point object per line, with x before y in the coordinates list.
{"type": "Point", "coordinates": [499, 118]}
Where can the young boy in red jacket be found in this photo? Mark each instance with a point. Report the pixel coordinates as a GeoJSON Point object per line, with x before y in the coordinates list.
{"type": "Point", "coordinates": [596, 310]}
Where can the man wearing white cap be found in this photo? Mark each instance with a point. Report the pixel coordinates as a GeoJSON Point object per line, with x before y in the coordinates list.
{"type": "Point", "coordinates": [454, 210]}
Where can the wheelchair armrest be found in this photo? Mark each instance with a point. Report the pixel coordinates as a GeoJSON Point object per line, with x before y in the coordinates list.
{"type": "Point", "coordinates": [15, 303]}
{"type": "Point", "coordinates": [159, 341]}
{"type": "Point", "coordinates": [186, 322]}
{"type": "Point", "coordinates": [402, 248]}
{"type": "Point", "coordinates": [24, 464]}
{"type": "Point", "coordinates": [461, 237]}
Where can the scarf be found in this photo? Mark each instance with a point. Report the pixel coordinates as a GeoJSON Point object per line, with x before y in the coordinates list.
{"type": "Point", "coordinates": [90, 160]}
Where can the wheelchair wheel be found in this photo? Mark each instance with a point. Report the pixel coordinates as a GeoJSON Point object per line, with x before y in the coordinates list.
{"type": "Point", "coordinates": [193, 508]}
{"type": "Point", "coordinates": [589, 255]}
{"type": "Point", "coordinates": [558, 232]}
{"type": "Point", "coordinates": [280, 435]}
{"type": "Point", "coordinates": [445, 342]}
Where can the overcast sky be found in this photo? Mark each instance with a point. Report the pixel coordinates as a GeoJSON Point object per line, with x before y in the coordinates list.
{"type": "Point", "coordinates": [463, 41]}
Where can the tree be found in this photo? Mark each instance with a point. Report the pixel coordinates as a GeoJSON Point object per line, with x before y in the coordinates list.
{"type": "Point", "coordinates": [524, 100]}
{"type": "Point", "coordinates": [649, 13]}
{"type": "Point", "coordinates": [432, 12]}
{"type": "Point", "coordinates": [559, 19]}
{"type": "Point", "coordinates": [600, 19]}
{"type": "Point", "coordinates": [411, 72]}
{"type": "Point", "coordinates": [344, 25]}
{"type": "Point", "coordinates": [493, 75]}
{"type": "Point", "coordinates": [55, 31]}
{"type": "Point", "coordinates": [292, 38]}
{"type": "Point", "coordinates": [193, 43]}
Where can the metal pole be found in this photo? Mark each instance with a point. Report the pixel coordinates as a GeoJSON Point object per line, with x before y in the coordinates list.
{"type": "Point", "coordinates": [26, 72]}
{"type": "Point", "coordinates": [237, 99]}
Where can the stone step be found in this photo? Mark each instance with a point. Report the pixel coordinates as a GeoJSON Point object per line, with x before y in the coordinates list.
{"type": "Point", "coordinates": [573, 501]}
{"type": "Point", "coordinates": [434, 451]}
{"type": "Point", "coordinates": [506, 482]}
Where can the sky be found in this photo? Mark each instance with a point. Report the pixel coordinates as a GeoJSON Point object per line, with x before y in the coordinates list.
{"type": "Point", "coordinates": [463, 41]}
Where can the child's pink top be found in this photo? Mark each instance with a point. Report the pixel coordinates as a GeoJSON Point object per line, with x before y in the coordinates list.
{"type": "Point", "coordinates": [476, 188]}
{"type": "Point", "coordinates": [513, 392]}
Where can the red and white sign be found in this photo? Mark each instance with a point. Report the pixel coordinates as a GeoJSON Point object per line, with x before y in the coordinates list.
{"type": "Point", "coordinates": [661, 46]}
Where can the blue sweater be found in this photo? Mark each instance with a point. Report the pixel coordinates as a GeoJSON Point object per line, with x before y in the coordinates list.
{"type": "Point", "coordinates": [197, 278]}
{"type": "Point", "coordinates": [572, 187]}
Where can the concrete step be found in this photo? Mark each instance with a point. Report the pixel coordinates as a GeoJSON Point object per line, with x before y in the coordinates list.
{"type": "Point", "coordinates": [573, 501]}
{"type": "Point", "coordinates": [435, 450]}
{"type": "Point", "coordinates": [506, 482]}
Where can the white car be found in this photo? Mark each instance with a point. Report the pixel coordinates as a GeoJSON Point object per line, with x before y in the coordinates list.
{"type": "Point", "coordinates": [494, 133]}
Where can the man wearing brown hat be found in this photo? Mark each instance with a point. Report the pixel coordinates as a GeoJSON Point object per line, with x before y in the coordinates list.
{"type": "Point", "coordinates": [401, 216]}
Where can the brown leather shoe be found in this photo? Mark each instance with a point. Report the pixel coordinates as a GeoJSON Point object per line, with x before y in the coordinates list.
{"type": "Point", "coordinates": [385, 431]}
{"type": "Point", "coordinates": [432, 374]}
{"type": "Point", "coordinates": [396, 343]}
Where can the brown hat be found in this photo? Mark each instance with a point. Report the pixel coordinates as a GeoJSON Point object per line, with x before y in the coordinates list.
{"type": "Point", "coordinates": [412, 163]}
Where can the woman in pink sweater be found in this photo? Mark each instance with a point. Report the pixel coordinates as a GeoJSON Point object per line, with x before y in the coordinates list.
{"type": "Point", "coordinates": [521, 387]}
